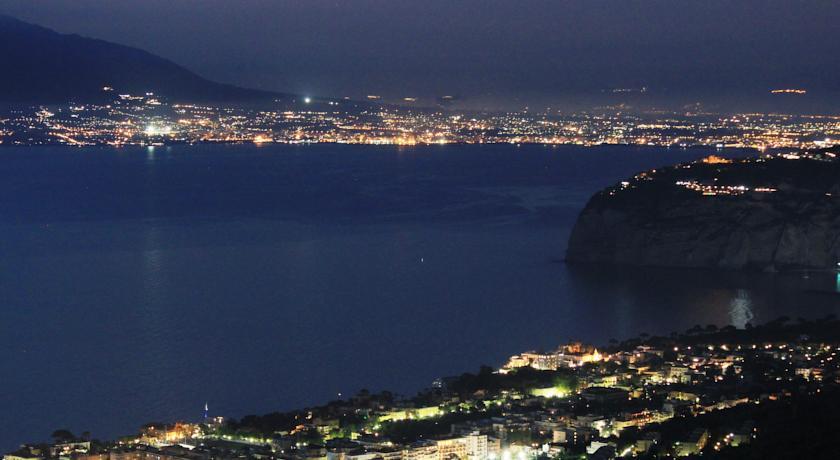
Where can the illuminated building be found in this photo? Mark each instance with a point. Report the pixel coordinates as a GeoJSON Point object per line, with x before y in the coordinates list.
{"type": "Point", "coordinates": [470, 447]}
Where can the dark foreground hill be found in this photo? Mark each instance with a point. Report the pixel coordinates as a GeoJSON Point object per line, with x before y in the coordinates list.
{"type": "Point", "coordinates": [43, 66]}
{"type": "Point", "coordinates": [774, 213]}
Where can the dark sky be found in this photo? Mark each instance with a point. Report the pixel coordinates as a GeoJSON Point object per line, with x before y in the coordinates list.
{"type": "Point", "coordinates": [485, 50]}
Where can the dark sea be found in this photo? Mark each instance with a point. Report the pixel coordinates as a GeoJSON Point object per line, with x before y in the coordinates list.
{"type": "Point", "coordinates": [137, 284]}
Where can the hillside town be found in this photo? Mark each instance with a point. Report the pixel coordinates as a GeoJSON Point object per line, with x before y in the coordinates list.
{"type": "Point", "coordinates": [708, 391]}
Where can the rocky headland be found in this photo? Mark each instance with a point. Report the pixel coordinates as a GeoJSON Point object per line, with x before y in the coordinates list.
{"type": "Point", "coordinates": [779, 212]}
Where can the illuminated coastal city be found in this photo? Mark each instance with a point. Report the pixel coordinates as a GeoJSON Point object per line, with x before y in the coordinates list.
{"type": "Point", "coordinates": [147, 119]}
{"type": "Point", "coordinates": [702, 391]}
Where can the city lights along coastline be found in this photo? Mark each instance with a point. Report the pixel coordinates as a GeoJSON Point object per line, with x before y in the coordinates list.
{"type": "Point", "coordinates": [113, 95]}
{"type": "Point", "coordinates": [702, 391]}
{"type": "Point", "coordinates": [428, 230]}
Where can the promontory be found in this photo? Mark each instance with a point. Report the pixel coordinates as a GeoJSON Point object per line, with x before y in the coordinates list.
{"type": "Point", "coordinates": [770, 212]}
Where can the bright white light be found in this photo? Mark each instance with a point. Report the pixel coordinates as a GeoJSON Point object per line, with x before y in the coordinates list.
{"type": "Point", "coordinates": [153, 130]}
{"type": "Point", "coordinates": [307, 100]}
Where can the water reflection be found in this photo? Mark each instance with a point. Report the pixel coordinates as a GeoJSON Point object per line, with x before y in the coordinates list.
{"type": "Point", "coordinates": [740, 312]}
{"type": "Point", "coordinates": [671, 300]}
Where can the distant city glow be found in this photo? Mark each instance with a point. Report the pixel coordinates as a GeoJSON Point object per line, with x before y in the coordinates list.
{"type": "Point", "coordinates": [788, 91]}
{"type": "Point", "coordinates": [132, 119]}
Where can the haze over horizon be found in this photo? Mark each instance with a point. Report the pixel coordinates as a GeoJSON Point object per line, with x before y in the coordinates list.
{"type": "Point", "coordinates": [491, 54]}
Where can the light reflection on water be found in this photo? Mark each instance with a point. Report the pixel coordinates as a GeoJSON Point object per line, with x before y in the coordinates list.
{"type": "Point", "coordinates": [741, 309]}
{"type": "Point", "coordinates": [666, 300]}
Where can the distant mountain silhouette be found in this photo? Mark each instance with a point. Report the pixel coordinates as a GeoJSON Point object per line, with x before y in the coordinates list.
{"type": "Point", "coordinates": [40, 65]}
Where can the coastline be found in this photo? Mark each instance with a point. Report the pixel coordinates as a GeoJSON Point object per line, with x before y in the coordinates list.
{"type": "Point", "coordinates": [496, 392]}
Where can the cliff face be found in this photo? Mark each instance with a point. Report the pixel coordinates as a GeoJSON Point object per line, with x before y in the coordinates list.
{"type": "Point", "coordinates": [772, 214]}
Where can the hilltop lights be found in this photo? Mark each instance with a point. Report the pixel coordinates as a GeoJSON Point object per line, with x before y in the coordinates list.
{"type": "Point", "coordinates": [789, 91]}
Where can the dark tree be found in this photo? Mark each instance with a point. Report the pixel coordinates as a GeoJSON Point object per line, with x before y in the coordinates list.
{"type": "Point", "coordinates": [63, 435]}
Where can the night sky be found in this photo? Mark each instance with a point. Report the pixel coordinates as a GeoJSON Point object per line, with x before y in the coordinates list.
{"type": "Point", "coordinates": [485, 51]}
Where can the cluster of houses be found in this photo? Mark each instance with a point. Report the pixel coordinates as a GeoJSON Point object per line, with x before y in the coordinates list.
{"type": "Point", "coordinates": [641, 388]}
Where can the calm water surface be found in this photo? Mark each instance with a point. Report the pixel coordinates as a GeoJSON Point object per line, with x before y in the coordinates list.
{"type": "Point", "coordinates": [138, 284]}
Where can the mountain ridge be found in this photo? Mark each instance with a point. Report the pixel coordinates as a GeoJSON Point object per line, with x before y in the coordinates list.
{"type": "Point", "coordinates": [45, 66]}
